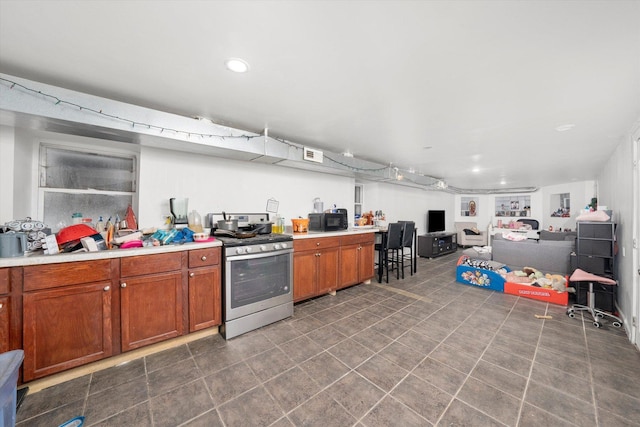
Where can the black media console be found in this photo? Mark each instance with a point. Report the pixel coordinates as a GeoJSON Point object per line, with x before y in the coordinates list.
{"type": "Point", "coordinates": [432, 245]}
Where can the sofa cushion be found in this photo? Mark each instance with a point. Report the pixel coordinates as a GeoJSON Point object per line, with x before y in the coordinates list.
{"type": "Point", "coordinates": [557, 235]}
{"type": "Point", "coordinates": [559, 243]}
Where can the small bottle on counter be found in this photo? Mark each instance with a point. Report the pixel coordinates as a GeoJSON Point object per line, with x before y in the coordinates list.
{"type": "Point", "coordinates": [100, 225]}
{"type": "Point", "coordinates": [76, 218]}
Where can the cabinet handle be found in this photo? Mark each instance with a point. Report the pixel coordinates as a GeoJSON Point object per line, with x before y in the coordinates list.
{"type": "Point", "coordinates": [1, 305]}
{"type": "Point", "coordinates": [192, 274]}
{"type": "Point", "coordinates": [123, 285]}
{"type": "Point", "coordinates": [106, 288]}
{"type": "Point", "coordinates": [318, 244]}
{"type": "Point", "coordinates": [203, 258]}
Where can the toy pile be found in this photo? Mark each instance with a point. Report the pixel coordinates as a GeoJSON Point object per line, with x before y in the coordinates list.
{"type": "Point", "coordinates": [532, 277]}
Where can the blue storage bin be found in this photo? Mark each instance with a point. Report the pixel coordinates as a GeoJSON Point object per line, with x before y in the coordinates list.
{"type": "Point", "coordinates": [479, 277]}
{"type": "Point", "coordinates": [9, 367]}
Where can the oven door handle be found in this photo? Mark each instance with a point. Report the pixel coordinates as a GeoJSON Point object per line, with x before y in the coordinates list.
{"type": "Point", "coordinates": [257, 255]}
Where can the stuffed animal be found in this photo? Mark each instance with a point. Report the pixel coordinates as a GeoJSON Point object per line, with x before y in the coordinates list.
{"type": "Point", "coordinates": [559, 283]}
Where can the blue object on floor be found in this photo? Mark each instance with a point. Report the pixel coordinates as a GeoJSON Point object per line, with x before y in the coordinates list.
{"type": "Point", "coordinates": [9, 366]}
{"type": "Point", "coordinates": [73, 422]}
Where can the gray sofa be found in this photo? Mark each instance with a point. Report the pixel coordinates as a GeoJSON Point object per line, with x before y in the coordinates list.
{"type": "Point", "coordinates": [548, 256]}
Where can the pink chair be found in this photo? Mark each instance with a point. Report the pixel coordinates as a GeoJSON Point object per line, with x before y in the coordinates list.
{"type": "Point", "coordinates": [582, 276]}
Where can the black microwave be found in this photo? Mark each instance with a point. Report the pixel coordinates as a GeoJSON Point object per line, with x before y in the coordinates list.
{"type": "Point", "coordinates": [328, 221]}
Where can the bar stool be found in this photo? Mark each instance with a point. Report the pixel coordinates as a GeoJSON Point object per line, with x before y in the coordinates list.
{"type": "Point", "coordinates": [390, 248]}
{"type": "Point", "coordinates": [408, 228]}
{"type": "Point", "coordinates": [582, 276]}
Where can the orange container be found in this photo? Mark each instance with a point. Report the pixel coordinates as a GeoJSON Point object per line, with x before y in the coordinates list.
{"type": "Point", "coordinates": [300, 225]}
{"type": "Point", "coordinates": [540, 294]}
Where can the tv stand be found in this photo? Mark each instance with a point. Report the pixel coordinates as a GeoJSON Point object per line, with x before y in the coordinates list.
{"type": "Point", "coordinates": [432, 245]}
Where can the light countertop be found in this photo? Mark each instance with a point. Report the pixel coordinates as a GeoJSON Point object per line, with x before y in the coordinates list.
{"type": "Point", "coordinates": [38, 257]}
{"type": "Point", "coordinates": [348, 232]}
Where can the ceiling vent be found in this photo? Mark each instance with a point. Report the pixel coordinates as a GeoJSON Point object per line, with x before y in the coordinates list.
{"type": "Point", "coordinates": [312, 155]}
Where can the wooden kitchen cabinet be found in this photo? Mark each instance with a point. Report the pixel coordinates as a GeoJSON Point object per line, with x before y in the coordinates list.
{"type": "Point", "coordinates": [66, 316]}
{"type": "Point", "coordinates": [5, 328]}
{"type": "Point", "coordinates": [204, 289]}
{"type": "Point", "coordinates": [315, 267]}
{"type": "Point", "coordinates": [356, 259]}
{"type": "Point", "coordinates": [151, 299]}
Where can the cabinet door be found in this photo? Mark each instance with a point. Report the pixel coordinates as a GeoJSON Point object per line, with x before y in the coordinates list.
{"type": "Point", "coordinates": [67, 327]}
{"type": "Point", "coordinates": [366, 262]}
{"type": "Point", "coordinates": [151, 309]}
{"type": "Point", "coordinates": [305, 274]}
{"type": "Point", "coordinates": [4, 324]}
{"type": "Point", "coordinates": [328, 263]}
{"type": "Point", "coordinates": [349, 265]}
{"type": "Point", "coordinates": [204, 298]}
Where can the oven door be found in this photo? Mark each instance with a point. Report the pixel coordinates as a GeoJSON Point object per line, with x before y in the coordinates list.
{"type": "Point", "coordinates": [256, 282]}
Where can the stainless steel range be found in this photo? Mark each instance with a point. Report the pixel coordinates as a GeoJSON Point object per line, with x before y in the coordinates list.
{"type": "Point", "coordinates": [258, 276]}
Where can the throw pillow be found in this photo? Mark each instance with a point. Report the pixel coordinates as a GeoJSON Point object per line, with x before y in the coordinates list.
{"type": "Point", "coordinates": [469, 231]}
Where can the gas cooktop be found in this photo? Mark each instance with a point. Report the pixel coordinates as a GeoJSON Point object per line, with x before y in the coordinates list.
{"type": "Point", "coordinates": [256, 240]}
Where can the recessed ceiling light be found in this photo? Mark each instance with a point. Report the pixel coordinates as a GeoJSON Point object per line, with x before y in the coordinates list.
{"type": "Point", "coordinates": [475, 170]}
{"type": "Point", "coordinates": [503, 182]}
{"type": "Point", "coordinates": [564, 128]}
{"type": "Point", "coordinates": [237, 65]}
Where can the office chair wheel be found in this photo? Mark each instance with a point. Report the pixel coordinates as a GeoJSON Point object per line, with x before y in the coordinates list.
{"type": "Point", "coordinates": [570, 313]}
{"type": "Point", "coordinates": [617, 324]}
{"type": "Point", "coordinates": [596, 324]}
{"type": "Point", "coordinates": [600, 315]}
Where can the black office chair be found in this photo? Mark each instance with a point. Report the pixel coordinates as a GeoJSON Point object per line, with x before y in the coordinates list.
{"type": "Point", "coordinates": [408, 228]}
{"type": "Point", "coordinates": [391, 249]}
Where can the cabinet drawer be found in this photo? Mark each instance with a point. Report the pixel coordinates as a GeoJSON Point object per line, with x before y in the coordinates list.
{"type": "Point", "coordinates": [358, 238]}
{"type": "Point", "coordinates": [204, 257]}
{"type": "Point", "coordinates": [596, 247]}
{"type": "Point", "coordinates": [311, 244]}
{"type": "Point", "coordinates": [63, 274]}
{"type": "Point", "coordinates": [596, 265]}
{"type": "Point", "coordinates": [5, 286]}
{"type": "Point", "coordinates": [149, 264]}
{"type": "Point", "coordinates": [595, 231]}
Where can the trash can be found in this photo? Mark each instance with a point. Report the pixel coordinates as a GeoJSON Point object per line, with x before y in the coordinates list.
{"type": "Point", "coordinates": [9, 366]}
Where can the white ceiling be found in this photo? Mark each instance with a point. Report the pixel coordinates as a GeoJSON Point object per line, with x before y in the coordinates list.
{"type": "Point", "coordinates": [484, 84]}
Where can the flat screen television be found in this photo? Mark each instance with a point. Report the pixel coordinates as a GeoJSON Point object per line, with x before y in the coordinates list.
{"type": "Point", "coordinates": [435, 221]}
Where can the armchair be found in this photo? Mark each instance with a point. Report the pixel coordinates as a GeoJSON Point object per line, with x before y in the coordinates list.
{"type": "Point", "coordinates": [465, 239]}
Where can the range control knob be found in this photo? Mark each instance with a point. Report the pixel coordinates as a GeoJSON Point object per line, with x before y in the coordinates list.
{"type": "Point", "coordinates": [239, 250]}
{"type": "Point", "coordinates": [276, 246]}
{"type": "Point", "coordinates": [249, 249]}
{"type": "Point", "coordinates": [263, 248]}
{"type": "Point", "coordinates": [284, 246]}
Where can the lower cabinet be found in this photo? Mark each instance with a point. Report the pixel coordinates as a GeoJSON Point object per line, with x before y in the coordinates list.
{"type": "Point", "coordinates": [5, 328]}
{"type": "Point", "coordinates": [356, 259]}
{"type": "Point", "coordinates": [66, 327]}
{"type": "Point", "coordinates": [204, 289]}
{"type": "Point", "coordinates": [315, 267]}
{"type": "Point", "coordinates": [150, 309]}
{"type": "Point", "coordinates": [74, 313]}
{"type": "Point", "coordinates": [325, 264]}
{"type": "Point", "coordinates": [150, 299]}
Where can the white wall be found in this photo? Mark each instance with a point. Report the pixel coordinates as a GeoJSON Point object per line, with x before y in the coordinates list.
{"type": "Point", "coordinates": [580, 193]}
{"type": "Point", "coordinates": [486, 204]}
{"type": "Point", "coordinates": [401, 203]}
{"type": "Point", "coordinates": [213, 184]}
{"type": "Point", "coordinates": [615, 190]}
{"type": "Point", "coordinates": [7, 148]}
